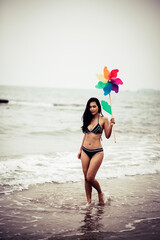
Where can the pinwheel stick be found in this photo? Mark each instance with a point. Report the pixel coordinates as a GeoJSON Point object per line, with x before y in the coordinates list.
{"type": "Point", "coordinates": [112, 117]}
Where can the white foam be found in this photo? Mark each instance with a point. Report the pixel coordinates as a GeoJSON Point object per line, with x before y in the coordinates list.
{"type": "Point", "coordinates": [17, 173]}
{"type": "Point", "coordinates": [146, 219]}
{"type": "Point", "coordinates": [131, 226]}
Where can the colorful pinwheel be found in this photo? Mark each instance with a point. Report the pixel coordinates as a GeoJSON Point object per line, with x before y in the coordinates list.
{"type": "Point", "coordinates": [109, 82]}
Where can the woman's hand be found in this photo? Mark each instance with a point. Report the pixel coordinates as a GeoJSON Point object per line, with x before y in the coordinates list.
{"type": "Point", "coordinates": [79, 155]}
{"type": "Point", "coordinates": [112, 121]}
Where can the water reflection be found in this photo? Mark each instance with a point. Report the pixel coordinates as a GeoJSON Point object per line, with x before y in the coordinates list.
{"type": "Point", "coordinates": [92, 219]}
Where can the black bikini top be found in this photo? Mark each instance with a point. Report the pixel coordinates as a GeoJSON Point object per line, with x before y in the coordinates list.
{"type": "Point", "coordinates": [96, 130]}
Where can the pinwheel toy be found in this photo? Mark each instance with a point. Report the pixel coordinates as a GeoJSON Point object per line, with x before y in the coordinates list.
{"type": "Point", "coordinates": [109, 82]}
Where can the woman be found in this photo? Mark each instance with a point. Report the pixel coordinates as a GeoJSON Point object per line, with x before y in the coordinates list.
{"type": "Point", "coordinates": [91, 151]}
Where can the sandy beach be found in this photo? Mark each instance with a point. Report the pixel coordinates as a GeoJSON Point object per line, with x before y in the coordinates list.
{"type": "Point", "coordinates": [59, 211]}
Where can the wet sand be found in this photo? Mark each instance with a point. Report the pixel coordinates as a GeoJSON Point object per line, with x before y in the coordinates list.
{"type": "Point", "coordinates": [59, 211]}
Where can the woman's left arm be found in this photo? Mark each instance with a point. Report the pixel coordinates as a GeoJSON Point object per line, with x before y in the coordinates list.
{"type": "Point", "coordinates": [108, 126]}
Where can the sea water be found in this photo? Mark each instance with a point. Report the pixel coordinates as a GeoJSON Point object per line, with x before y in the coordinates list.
{"type": "Point", "coordinates": [40, 135]}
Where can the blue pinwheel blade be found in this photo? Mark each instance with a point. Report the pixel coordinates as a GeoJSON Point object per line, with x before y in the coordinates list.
{"type": "Point", "coordinates": [107, 89]}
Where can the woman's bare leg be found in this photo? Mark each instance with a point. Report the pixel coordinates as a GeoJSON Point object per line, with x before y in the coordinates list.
{"type": "Point", "coordinates": [85, 164]}
{"type": "Point", "coordinates": [88, 188]}
{"type": "Point", "coordinates": [94, 165]}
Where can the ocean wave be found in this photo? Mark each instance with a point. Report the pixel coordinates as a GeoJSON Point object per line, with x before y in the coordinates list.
{"type": "Point", "coordinates": [19, 172]}
{"type": "Point", "coordinates": [33, 104]}
{"type": "Point", "coordinates": [67, 105]}
{"type": "Point", "coordinates": [129, 106]}
{"type": "Point", "coordinates": [46, 105]}
{"type": "Point", "coordinates": [57, 132]}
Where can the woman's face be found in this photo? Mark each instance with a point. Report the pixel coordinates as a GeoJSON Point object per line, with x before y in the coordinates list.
{"type": "Point", "coordinates": [93, 108]}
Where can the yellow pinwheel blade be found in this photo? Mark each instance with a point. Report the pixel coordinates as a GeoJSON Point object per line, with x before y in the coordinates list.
{"type": "Point", "coordinates": [101, 78]}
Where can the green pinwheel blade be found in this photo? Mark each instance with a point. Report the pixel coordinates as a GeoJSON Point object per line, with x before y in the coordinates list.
{"type": "Point", "coordinates": [101, 85]}
{"type": "Point", "coordinates": [106, 106]}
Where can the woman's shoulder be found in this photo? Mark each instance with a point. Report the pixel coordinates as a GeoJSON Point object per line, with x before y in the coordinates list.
{"type": "Point", "coordinates": [103, 119]}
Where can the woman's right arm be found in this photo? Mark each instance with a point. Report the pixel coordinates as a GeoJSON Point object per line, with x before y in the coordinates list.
{"type": "Point", "coordinates": [79, 154]}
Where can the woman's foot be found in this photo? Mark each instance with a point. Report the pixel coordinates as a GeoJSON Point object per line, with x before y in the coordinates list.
{"type": "Point", "coordinates": [101, 198]}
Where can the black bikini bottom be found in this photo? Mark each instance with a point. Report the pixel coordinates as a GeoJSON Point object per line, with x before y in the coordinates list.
{"type": "Point", "coordinates": [91, 152]}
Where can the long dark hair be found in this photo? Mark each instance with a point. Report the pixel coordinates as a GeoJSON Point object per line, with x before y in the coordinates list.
{"type": "Point", "coordinates": [87, 115]}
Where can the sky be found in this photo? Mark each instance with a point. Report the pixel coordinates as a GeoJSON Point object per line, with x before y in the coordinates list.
{"type": "Point", "coordinates": [65, 43]}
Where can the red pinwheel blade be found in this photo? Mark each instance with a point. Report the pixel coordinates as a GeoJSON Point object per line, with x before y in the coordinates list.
{"type": "Point", "coordinates": [113, 73]}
